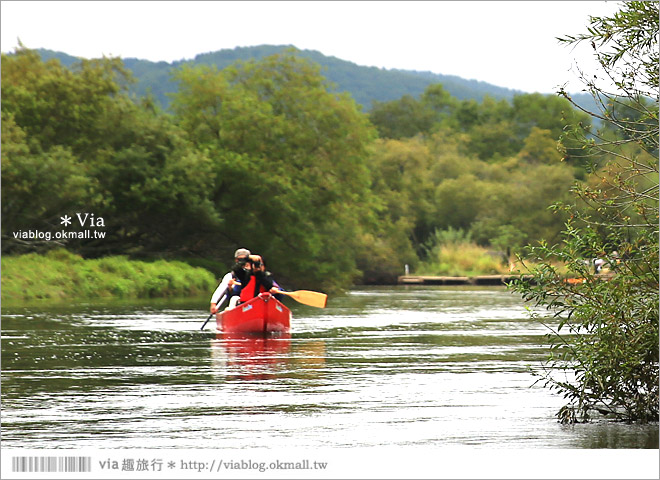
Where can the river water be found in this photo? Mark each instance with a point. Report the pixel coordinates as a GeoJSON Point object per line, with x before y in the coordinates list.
{"type": "Point", "coordinates": [397, 366]}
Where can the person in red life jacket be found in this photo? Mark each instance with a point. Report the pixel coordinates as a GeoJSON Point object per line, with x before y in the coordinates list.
{"type": "Point", "coordinates": [276, 287]}
{"type": "Point", "coordinates": [255, 280]}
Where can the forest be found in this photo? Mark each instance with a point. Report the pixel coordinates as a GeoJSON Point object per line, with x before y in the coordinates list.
{"type": "Point", "coordinates": [266, 154]}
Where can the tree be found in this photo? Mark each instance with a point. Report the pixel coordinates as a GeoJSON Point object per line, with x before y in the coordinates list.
{"type": "Point", "coordinates": [408, 116]}
{"type": "Point", "coordinates": [401, 118]}
{"type": "Point", "coordinates": [37, 187]}
{"type": "Point", "coordinates": [60, 106]}
{"type": "Point", "coordinates": [73, 141]}
{"type": "Point", "coordinates": [552, 114]}
{"type": "Point", "coordinates": [607, 332]}
{"type": "Point", "coordinates": [439, 100]}
{"type": "Point", "coordinates": [400, 181]}
{"type": "Point", "coordinates": [289, 160]}
{"type": "Point", "coordinates": [153, 185]}
{"type": "Point", "coordinates": [540, 147]}
{"type": "Point", "coordinates": [49, 115]}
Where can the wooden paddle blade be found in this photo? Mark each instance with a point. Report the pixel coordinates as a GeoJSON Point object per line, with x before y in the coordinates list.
{"type": "Point", "coordinates": [307, 297]}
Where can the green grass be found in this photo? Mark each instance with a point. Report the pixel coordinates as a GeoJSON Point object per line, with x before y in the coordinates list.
{"type": "Point", "coordinates": [61, 275]}
{"type": "Point", "coordinates": [462, 259]}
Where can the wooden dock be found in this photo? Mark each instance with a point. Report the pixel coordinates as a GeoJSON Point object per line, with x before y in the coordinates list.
{"type": "Point", "coordinates": [440, 280]}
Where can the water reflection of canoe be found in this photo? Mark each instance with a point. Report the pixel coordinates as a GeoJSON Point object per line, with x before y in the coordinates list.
{"type": "Point", "coordinates": [254, 346]}
{"type": "Point", "coordinates": [255, 356]}
{"type": "Point", "coordinates": [262, 314]}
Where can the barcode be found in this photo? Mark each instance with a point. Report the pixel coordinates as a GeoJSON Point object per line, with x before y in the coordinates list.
{"type": "Point", "coordinates": [51, 464]}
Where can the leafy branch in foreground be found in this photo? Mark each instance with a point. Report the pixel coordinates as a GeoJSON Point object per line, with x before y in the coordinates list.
{"type": "Point", "coordinates": [606, 340]}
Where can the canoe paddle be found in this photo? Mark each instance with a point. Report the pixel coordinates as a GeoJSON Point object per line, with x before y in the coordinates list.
{"type": "Point", "coordinates": [307, 297]}
{"type": "Point", "coordinates": [224, 297]}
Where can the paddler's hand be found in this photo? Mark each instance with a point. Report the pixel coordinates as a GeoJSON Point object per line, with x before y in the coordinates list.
{"type": "Point", "coordinates": [275, 290]}
{"type": "Point", "coordinates": [214, 308]}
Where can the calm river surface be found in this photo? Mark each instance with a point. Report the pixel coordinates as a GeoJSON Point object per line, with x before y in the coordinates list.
{"type": "Point", "coordinates": [380, 366]}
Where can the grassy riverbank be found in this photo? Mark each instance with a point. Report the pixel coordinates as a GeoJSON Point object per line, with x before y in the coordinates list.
{"type": "Point", "coordinates": [62, 276]}
{"type": "Point", "coordinates": [467, 259]}
{"type": "Point", "coordinates": [463, 260]}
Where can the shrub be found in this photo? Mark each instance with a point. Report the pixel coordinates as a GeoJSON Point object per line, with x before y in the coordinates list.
{"type": "Point", "coordinates": [607, 335]}
{"type": "Point", "coordinates": [450, 252]}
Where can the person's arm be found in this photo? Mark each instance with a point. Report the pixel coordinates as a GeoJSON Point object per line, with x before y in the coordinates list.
{"type": "Point", "coordinates": [241, 274]}
{"type": "Point", "coordinates": [275, 291]}
{"type": "Point", "coordinates": [266, 280]}
{"type": "Point", "coordinates": [220, 290]}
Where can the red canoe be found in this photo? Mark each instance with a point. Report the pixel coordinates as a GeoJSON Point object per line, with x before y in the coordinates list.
{"type": "Point", "coordinates": [262, 314]}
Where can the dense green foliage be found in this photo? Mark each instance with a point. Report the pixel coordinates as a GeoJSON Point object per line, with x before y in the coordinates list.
{"type": "Point", "coordinates": [289, 172]}
{"type": "Point", "coordinates": [607, 336]}
{"type": "Point", "coordinates": [61, 275]}
{"type": "Point", "coordinates": [496, 188]}
{"type": "Point", "coordinates": [266, 154]}
{"type": "Point", "coordinates": [72, 142]}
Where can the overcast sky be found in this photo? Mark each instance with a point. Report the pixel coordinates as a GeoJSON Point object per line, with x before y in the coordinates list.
{"type": "Point", "coordinates": [510, 44]}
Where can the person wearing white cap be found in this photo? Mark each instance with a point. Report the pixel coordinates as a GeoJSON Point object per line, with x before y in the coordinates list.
{"type": "Point", "coordinates": [224, 290]}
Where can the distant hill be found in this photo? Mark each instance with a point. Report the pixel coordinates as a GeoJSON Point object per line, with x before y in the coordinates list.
{"type": "Point", "coordinates": [365, 84]}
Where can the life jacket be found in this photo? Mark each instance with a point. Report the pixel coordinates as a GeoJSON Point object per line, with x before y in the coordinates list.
{"type": "Point", "coordinates": [234, 291]}
{"type": "Point", "coordinates": [251, 290]}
